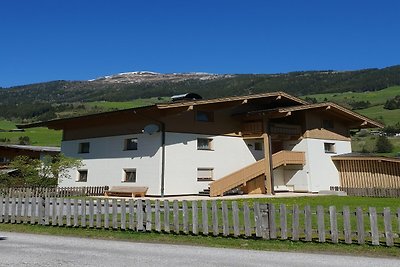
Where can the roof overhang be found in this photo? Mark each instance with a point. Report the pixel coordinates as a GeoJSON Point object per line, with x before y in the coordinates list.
{"type": "Point", "coordinates": [358, 120]}
{"type": "Point", "coordinates": [353, 156]}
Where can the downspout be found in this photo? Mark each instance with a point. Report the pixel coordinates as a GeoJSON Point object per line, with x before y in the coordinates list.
{"type": "Point", "coordinates": [162, 157]}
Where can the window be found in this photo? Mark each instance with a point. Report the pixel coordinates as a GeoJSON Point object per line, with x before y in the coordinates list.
{"type": "Point", "coordinates": [129, 176]}
{"type": "Point", "coordinates": [206, 116]}
{"type": "Point", "coordinates": [204, 174]}
{"type": "Point", "coordinates": [84, 147]}
{"type": "Point", "coordinates": [131, 144]}
{"type": "Point", "coordinates": [82, 175]}
{"type": "Point", "coordinates": [329, 147]}
{"type": "Point", "coordinates": [204, 144]}
{"type": "Point", "coordinates": [4, 160]}
{"type": "Point", "coordinates": [327, 124]}
{"type": "Point", "coordinates": [258, 146]}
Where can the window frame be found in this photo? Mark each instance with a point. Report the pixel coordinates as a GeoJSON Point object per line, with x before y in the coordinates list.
{"type": "Point", "coordinates": [127, 141]}
{"type": "Point", "coordinates": [79, 179]}
{"type": "Point", "coordinates": [125, 175]}
{"type": "Point", "coordinates": [81, 147]}
{"type": "Point", "coordinates": [330, 148]}
{"type": "Point", "coordinates": [209, 144]}
{"type": "Point", "coordinates": [205, 179]}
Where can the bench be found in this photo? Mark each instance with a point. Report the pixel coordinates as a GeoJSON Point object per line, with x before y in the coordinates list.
{"type": "Point", "coordinates": [130, 191]}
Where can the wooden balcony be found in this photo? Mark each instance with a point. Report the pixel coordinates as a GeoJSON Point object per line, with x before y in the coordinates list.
{"type": "Point", "coordinates": [285, 129]}
{"type": "Point", "coordinates": [253, 171]}
{"type": "Point", "coordinates": [252, 128]}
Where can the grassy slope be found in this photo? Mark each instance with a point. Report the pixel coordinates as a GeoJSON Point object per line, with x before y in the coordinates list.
{"type": "Point", "coordinates": [376, 98]}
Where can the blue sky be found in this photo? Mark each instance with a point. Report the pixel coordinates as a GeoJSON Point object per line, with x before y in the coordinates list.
{"type": "Point", "coordinates": [47, 40]}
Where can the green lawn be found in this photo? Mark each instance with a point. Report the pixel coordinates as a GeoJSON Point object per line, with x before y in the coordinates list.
{"type": "Point", "coordinates": [358, 144]}
{"type": "Point", "coordinates": [128, 104]}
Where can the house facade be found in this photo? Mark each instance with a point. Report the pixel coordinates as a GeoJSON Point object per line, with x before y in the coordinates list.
{"type": "Point", "coordinates": [261, 143]}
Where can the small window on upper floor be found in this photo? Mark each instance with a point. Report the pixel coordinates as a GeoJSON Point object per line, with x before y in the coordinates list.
{"type": "Point", "coordinates": [206, 116]}
{"type": "Point", "coordinates": [329, 148]}
{"type": "Point", "coordinates": [205, 174]}
{"type": "Point", "coordinates": [82, 175]}
{"type": "Point", "coordinates": [204, 144]}
{"type": "Point", "coordinates": [131, 144]}
{"type": "Point", "coordinates": [328, 124]}
{"type": "Point", "coordinates": [84, 147]}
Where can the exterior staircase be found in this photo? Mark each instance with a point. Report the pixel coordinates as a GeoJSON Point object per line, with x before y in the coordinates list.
{"type": "Point", "coordinates": [254, 170]}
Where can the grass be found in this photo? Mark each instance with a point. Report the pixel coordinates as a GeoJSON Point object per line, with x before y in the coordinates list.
{"type": "Point", "coordinates": [207, 241]}
{"type": "Point", "coordinates": [358, 144]}
{"type": "Point", "coordinates": [128, 104]}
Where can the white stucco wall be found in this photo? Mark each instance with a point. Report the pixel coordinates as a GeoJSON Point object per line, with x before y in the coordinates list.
{"type": "Point", "coordinates": [228, 154]}
{"type": "Point", "coordinates": [319, 173]}
{"type": "Point", "coordinates": [107, 159]}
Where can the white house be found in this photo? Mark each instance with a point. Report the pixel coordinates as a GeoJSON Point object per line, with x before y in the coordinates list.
{"type": "Point", "coordinates": [257, 144]}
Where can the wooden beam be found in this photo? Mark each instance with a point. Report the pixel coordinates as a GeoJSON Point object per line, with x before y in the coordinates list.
{"type": "Point", "coordinates": [278, 97]}
{"type": "Point", "coordinates": [267, 164]}
{"type": "Point", "coordinates": [190, 108]}
{"type": "Point", "coordinates": [244, 101]}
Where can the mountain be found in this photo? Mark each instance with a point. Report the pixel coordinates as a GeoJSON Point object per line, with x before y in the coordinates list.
{"type": "Point", "coordinates": [46, 100]}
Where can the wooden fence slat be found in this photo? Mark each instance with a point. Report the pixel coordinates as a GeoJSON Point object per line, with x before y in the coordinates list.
{"type": "Point", "coordinates": [373, 218]}
{"type": "Point", "coordinates": [157, 216]}
{"type": "Point", "coordinates": [195, 218]}
{"type": "Point", "coordinates": [360, 226]}
{"type": "Point", "coordinates": [33, 210]}
{"type": "Point", "coordinates": [235, 216]}
{"type": "Point", "coordinates": [68, 212]}
{"type": "Point", "coordinates": [46, 211]}
{"type": "Point", "coordinates": [1, 208]}
{"type": "Point", "coordinates": [307, 223]}
{"type": "Point", "coordinates": [387, 218]}
{"type": "Point", "coordinates": [347, 225]}
{"type": "Point", "coordinates": [398, 220]}
{"type": "Point", "coordinates": [204, 217]}
{"type": "Point", "coordinates": [131, 204]}
{"type": "Point", "coordinates": [257, 219]}
{"type": "Point", "coordinates": [225, 219]}
{"type": "Point", "coordinates": [176, 216]}
{"type": "Point", "coordinates": [214, 217]}
{"type": "Point", "coordinates": [333, 224]}
{"type": "Point", "coordinates": [26, 206]}
{"type": "Point", "coordinates": [106, 214]}
{"type": "Point", "coordinates": [139, 215]}
{"type": "Point", "coordinates": [246, 219]}
{"type": "Point", "coordinates": [272, 223]}
{"type": "Point", "coordinates": [91, 213]}
{"type": "Point", "coordinates": [123, 214]}
{"type": "Point", "coordinates": [264, 210]}
{"type": "Point", "coordinates": [185, 214]}
{"type": "Point", "coordinates": [149, 216]}
{"type": "Point", "coordinates": [76, 212]}
{"type": "Point", "coordinates": [19, 209]}
{"type": "Point", "coordinates": [321, 224]}
{"type": "Point", "coordinates": [60, 213]}
{"type": "Point", "coordinates": [98, 212]}
{"type": "Point", "coordinates": [6, 209]}
{"type": "Point", "coordinates": [283, 221]}
{"type": "Point", "coordinates": [166, 216]}
{"type": "Point", "coordinates": [53, 211]}
{"type": "Point", "coordinates": [13, 209]}
{"type": "Point", "coordinates": [83, 212]}
{"type": "Point", "coordinates": [114, 210]}
{"type": "Point", "coordinates": [295, 223]}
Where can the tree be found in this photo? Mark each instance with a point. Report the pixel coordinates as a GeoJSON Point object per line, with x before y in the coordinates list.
{"type": "Point", "coordinates": [34, 172]}
{"type": "Point", "coordinates": [383, 145]}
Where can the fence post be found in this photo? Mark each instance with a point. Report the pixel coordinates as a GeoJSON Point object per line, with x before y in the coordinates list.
{"type": "Point", "coordinates": [195, 218]}
{"type": "Point", "coordinates": [388, 227]}
{"type": "Point", "coordinates": [61, 212]}
{"type": "Point", "coordinates": [257, 218]}
{"type": "Point", "coordinates": [176, 216]}
{"type": "Point", "coordinates": [235, 215]}
{"type": "Point", "coordinates": [53, 211]}
{"type": "Point", "coordinates": [76, 213]}
{"type": "Point", "coordinates": [373, 218]}
{"type": "Point", "coordinates": [225, 219]}
{"type": "Point", "coordinates": [214, 217]}
{"type": "Point", "coordinates": [246, 219]}
{"type": "Point", "coordinates": [123, 214]}
{"type": "Point", "coordinates": [114, 209]}
{"type": "Point", "coordinates": [360, 226]}
{"type": "Point", "coordinates": [333, 224]}
{"type": "Point", "coordinates": [26, 207]}
{"type": "Point", "coordinates": [106, 213]}
{"type": "Point", "coordinates": [157, 216]}
{"type": "Point", "coordinates": [68, 211]}
{"type": "Point", "coordinates": [83, 212]}
{"type": "Point", "coordinates": [204, 217]}
{"type": "Point", "coordinates": [98, 213]}
{"type": "Point", "coordinates": [283, 221]}
{"type": "Point", "coordinates": [185, 212]}
{"type": "Point", "coordinates": [321, 224]}
{"type": "Point", "coordinates": [148, 215]}
{"type": "Point", "coordinates": [347, 225]}
{"type": "Point", "coordinates": [264, 221]}
{"type": "Point", "coordinates": [13, 208]}
{"type": "Point", "coordinates": [131, 204]}
{"type": "Point", "coordinates": [295, 223]}
{"type": "Point", "coordinates": [166, 216]}
{"type": "Point", "coordinates": [44, 210]}
{"type": "Point", "coordinates": [19, 208]}
{"type": "Point", "coordinates": [307, 223]}
{"type": "Point", "coordinates": [33, 210]}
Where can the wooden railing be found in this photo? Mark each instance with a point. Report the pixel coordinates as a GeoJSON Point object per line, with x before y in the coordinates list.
{"type": "Point", "coordinates": [252, 128]}
{"type": "Point", "coordinates": [285, 129]}
{"type": "Point", "coordinates": [288, 157]}
{"type": "Point", "coordinates": [362, 225]}
{"type": "Point", "coordinates": [237, 178]}
{"type": "Point", "coordinates": [240, 177]}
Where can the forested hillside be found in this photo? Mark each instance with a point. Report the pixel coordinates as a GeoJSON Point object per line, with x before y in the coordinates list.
{"type": "Point", "coordinates": [50, 100]}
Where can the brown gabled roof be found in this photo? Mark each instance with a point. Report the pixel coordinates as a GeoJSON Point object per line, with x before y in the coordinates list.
{"type": "Point", "coordinates": [364, 121]}
{"type": "Point", "coordinates": [232, 99]}
{"type": "Point", "coordinates": [32, 148]}
{"type": "Point", "coordinates": [56, 123]}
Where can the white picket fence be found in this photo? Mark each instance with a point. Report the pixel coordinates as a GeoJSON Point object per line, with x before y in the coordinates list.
{"type": "Point", "coordinates": [261, 220]}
